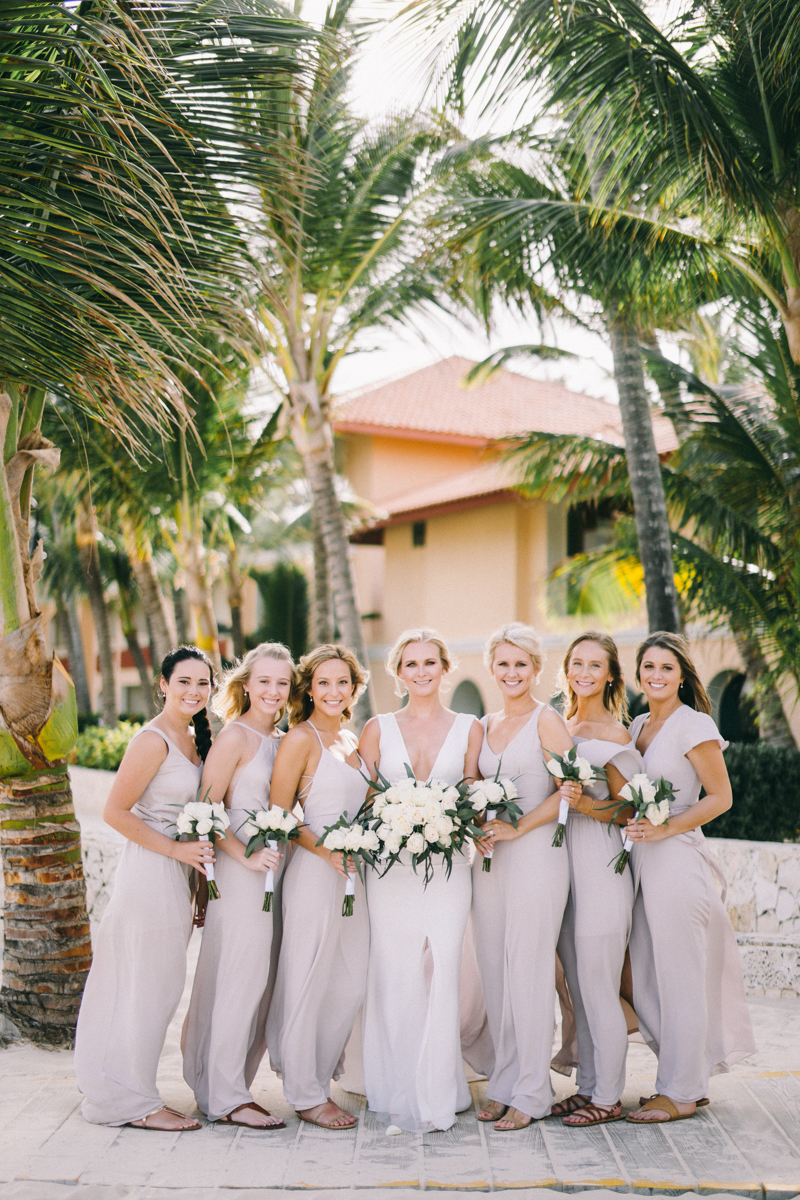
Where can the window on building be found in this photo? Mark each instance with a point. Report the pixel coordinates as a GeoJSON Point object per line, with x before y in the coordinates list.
{"type": "Point", "coordinates": [419, 532]}
{"type": "Point", "coordinates": [467, 699]}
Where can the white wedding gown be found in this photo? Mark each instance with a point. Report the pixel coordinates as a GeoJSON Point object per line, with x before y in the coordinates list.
{"type": "Point", "coordinates": [413, 1070]}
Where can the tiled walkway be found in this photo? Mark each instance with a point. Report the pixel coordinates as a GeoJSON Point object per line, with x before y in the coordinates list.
{"type": "Point", "coordinates": [746, 1143]}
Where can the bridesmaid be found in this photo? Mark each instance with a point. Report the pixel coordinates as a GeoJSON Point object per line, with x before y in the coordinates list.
{"type": "Point", "coordinates": [518, 906]}
{"type": "Point", "coordinates": [597, 920]}
{"type": "Point", "coordinates": [224, 1034]}
{"type": "Point", "coordinates": [687, 979]}
{"type": "Point", "coordinates": [322, 968]}
{"type": "Point", "coordinates": [139, 967]}
{"type": "Point", "coordinates": [413, 1070]}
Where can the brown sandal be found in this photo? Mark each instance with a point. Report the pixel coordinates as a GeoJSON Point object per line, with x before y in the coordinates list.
{"type": "Point", "coordinates": [515, 1126]}
{"type": "Point", "coordinates": [596, 1114]}
{"type": "Point", "coordinates": [497, 1116]}
{"type": "Point", "coordinates": [698, 1103]}
{"type": "Point", "coordinates": [142, 1123]}
{"type": "Point", "coordinates": [662, 1104]}
{"type": "Point", "coordinates": [570, 1105]}
{"type": "Point", "coordinates": [228, 1119]}
{"type": "Point", "coordinates": [322, 1125]}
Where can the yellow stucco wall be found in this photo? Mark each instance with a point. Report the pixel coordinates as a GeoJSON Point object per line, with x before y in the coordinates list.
{"type": "Point", "coordinates": [381, 468]}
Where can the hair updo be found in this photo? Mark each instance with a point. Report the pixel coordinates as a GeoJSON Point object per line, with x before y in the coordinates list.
{"type": "Point", "coordinates": [202, 728]}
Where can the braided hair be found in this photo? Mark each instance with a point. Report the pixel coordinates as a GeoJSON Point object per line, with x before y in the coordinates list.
{"type": "Point", "coordinates": [202, 728]}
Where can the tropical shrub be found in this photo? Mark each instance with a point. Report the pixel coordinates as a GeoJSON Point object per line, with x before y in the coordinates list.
{"type": "Point", "coordinates": [102, 747]}
{"type": "Point", "coordinates": [766, 794]}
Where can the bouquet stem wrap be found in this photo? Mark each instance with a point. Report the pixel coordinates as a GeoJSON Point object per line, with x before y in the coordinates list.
{"type": "Point", "coordinates": [650, 802]}
{"type": "Point", "coordinates": [206, 822]}
{"type": "Point", "coordinates": [563, 813]}
{"type": "Point", "coordinates": [268, 827]}
{"type": "Point", "coordinates": [213, 890]}
{"type": "Point", "coordinates": [572, 767]}
{"type": "Point", "coordinates": [349, 893]}
{"type": "Point", "coordinates": [491, 813]}
{"type": "Point", "coordinates": [269, 882]}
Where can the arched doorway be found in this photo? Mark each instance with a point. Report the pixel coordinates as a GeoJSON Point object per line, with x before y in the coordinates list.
{"type": "Point", "coordinates": [467, 699]}
{"type": "Point", "coordinates": [731, 707]}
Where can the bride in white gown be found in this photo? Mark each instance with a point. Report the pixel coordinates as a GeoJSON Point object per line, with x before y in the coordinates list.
{"type": "Point", "coordinates": [413, 1070]}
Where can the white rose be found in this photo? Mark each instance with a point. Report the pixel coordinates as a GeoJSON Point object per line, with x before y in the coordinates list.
{"type": "Point", "coordinates": [510, 789]}
{"type": "Point", "coordinates": [352, 838]}
{"type": "Point", "coordinates": [493, 792]}
{"type": "Point", "coordinates": [384, 831]}
{"type": "Point", "coordinates": [418, 816]}
{"type": "Point", "coordinates": [203, 827]}
{"type": "Point", "coordinates": [264, 819]}
{"type": "Point", "coordinates": [657, 814]}
{"type": "Point", "coordinates": [393, 842]}
{"type": "Point", "coordinates": [184, 823]}
{"type": "Point", "coordinates": [404, 789]}
{"type": "Point", "coordinates": [416, 843]}
{"type": "Point", "coordinates": [585, 770]}
{"type": "Point", "coordinates": [450, 797]}
{"type": "Point", "coordinates": [479, 800]}
{"type": "Point", "coordinates": [379, 804]}
{"type": "Point", "coordinates": [195, 809]}
{"type": "Point", "coordinates": [444, 826]}
{"type": "Point", "coordinates": [369, 841]}
{"type": "Point", "coordinates": [431, 833]}
{"type": "Point", "coordinates": [445, 840]}
{"type": "Point", "coordinates": [401, 823]}
{"type": "Point", "coordinates": [250, 829]}
{"type": "Point", "coordinates": [335, 840]}
{"type": "Point", "coordinates": [288, 821]}
{"type": "Point", "coordinates": [555, 768]}
{"type": "Point", "coordinates": [432, 810]}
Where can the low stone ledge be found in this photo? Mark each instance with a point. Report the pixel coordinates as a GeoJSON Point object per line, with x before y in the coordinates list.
{"type": "Point", "coordinates": [770, 964]}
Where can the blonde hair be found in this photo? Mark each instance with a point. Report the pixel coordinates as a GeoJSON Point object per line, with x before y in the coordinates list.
{"type": "Point", "coordinates": [408, 637]}
{"type": "Point", "coordinates": [231, 701]}
{"type": "Point", "coordinates": [615, 698]}
{"type": "Point", "coordinates": [301, 705]}
{"type": "Point", "coordinates": [691, 692]}
{"type": "Point", "coordinates": [524, 637]}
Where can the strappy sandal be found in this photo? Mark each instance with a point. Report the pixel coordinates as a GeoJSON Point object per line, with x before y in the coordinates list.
{"type": "Point", "coordinates": [570, 1105]}
{"type": "Point", "coordinates": [698, 1103]}
{"type": "Point", "coordinates": [322, 1125]}
{"type": "Point", "coordinates": [498, 1116]}
{"type": "Point", "coordinates": [663, 1104]}
{"type": "Point", "coordinates": [142, 1124]}
{"type": "Point", "coordinates": [515, 1126]}
{"type": "Point", "coordinates": [595, 1114]}
{"type": "Point", "coordinates": [228, 1119]}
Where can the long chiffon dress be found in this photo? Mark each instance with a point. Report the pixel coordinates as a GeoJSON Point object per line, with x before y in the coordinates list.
{"type": "Point", "coordinates": [596, 928]}
{"type": "Point", "coordinates": [688, 990]}
{"type": "Point", "coordinates": [413, 1070]}
{"type": "Point", "coordinates": [225, 1025]}
{"type": "Point", "coordinates": [322, 969]}
{"type": "Point", "coordinates": [139, 966]}
{"type": "Point", "coordinates": [517, 910]}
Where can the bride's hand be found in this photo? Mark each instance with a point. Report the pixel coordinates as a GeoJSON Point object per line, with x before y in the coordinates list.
{"type": "Point", "coordinates": [500, 831]}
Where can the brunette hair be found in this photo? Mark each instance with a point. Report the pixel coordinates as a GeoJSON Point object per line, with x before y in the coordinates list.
{"type": "Point", "coordinates": [691, 692]}
{"type": "Point", "coordinates": [394, 658]}
{"type": "Point", "coordinates": [202, 729]}
{"type": "Point", "coordinates": [301, 705]}
{"type": "Point", "coordinates": [524, 637]}
{"type": "Point", "coordinates": [614, 695]}
{"type": "Point", "coordinates": [231, 700]}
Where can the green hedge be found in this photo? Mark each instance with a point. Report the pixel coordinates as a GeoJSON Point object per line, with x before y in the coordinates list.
{"type": "Point", "coordinates": [103, 748]}
{"type": "Point", "coordinates": [766, 794]}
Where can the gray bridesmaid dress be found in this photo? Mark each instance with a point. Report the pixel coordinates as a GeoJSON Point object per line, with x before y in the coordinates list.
{"type": "Point", "coordinates": [225, 1026]}
{"type": "Point", "coordinates": [139, 967]}
{"type": "Point", "coordinates": [517, 911]}
{"type": "Point", "coordinates": [688, 990]}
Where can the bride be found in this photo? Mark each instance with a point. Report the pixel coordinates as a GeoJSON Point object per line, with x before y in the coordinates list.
{"type": "Point", "coordinates": [413, 1071]}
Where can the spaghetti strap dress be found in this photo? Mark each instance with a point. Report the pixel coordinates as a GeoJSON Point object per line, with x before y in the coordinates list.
{"type": "Point", "coordinates": [322, 968]}
{"type": "Point", "coordinates": [596, 928]}
{"type": "Point", "coordinates": [517, 910]}
{"type": "Point", "coordinates": [225, 1026]}
{"type": "Point", "coordinates": [139, 968]}
{"type": "Point", "coordinates": [688, 990]}
{"type": "Point", "coordinates": [411, 1043]}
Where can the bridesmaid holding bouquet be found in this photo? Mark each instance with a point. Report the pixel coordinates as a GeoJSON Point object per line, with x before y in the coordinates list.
{"type": "Point", "coordinates": [224, 1032]}
{"type": "Point", "coordinates": [687, 978]}
{"type": "Point", "coordinates": [139, 967]}
{"type": "Point", "coordinates": [597, 920]}
{"type": "Point", "coordinates": [322, 969]}
{"type": "Point", "coordinates": [518, 906]}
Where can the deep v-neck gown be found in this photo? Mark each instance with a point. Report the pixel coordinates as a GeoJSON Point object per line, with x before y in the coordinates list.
{"type": "Point", "coordinates": [687, 976]}
{"type": "Point", "coordinates": [139, 967]}
{"type": "Point", "coordinates": [225, 1026]}
{"type": "Point", "coordinates": [517, 909]}
{"type": "Point", "coordinates": [413, 1070]}
{"type": "Point", "coordinates": [322, 968]}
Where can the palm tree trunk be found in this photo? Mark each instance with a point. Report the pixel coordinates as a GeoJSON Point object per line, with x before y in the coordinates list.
{"type": "Point", "coordinates": [181, 615]}
{"type": "Point", "coordinates": [85, 533]}
{"type": "Point", "coordinates": [312, 436]}
{"type": "Point", "coordinates": [236, 578]}
{"type": "Point", "coordinates": [160, 620]}
{"type": "Point", "coordinates": [772, 724]}
{"type": "Point", "coordinates": [644, 470]}
{"type": "Point", "coordinates": [322, 628]}
{"type": "Point", "coordinates": [131, 633]}
{"type": "Point", "coordinates": [202, 618]}
{"type": "Point", "coordinates": [77, 659]}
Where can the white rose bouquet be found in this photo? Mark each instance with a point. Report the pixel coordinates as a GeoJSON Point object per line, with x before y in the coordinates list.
{"type": "Point", "coordinates": [649, 800]}
{"type": "Point", "coordinates": [267, 827]}
{"type": "Point", "coordinates": [495, 797]}
{"type": "Point", "coordinates": [206, 822]}
{"type": "Point", "coordinates": [356, 841]}
{"type": "Point", "coordinates": [580, 770]}
{"type": "Point", "coordinates": [429, 820]}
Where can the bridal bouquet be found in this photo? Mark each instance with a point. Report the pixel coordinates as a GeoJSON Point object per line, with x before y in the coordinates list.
{"type": "Point", "coordinates": [649, 800]}
{"type": "Point", "coordinates": [496, 798]}
{"type": "Point", "coordinates": [206, 822]}
{"type": "Point", "coordinates": [428, 820]}
{"type": "Point", "coordinates": [580, 770]}
{"type": "Point", "coordinates": [356, 841]}
{"type": "Point", "coordinates": [267, 827]}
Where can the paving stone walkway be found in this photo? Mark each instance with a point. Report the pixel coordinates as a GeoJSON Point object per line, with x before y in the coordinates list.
{"type": "Point", "coordinates": [747, 1143]}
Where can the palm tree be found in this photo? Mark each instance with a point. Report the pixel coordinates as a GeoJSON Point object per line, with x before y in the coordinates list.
{"type": "Point", "coordinates": [339, 254]}
{"type": "Point", "coordinates": [110, 258]}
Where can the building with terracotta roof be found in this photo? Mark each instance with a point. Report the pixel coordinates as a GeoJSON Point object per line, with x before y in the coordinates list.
{"type": "Point", "coordinates": [452, 544]}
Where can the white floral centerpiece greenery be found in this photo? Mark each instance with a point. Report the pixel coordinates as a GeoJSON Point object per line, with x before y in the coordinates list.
{"type": "Point", "coordinates": [355, 841]}
{"type": "Point", "coordinates": [570, 766]}
{"type": "Point", "coordinates": [266, 827]}
{"type": "Point", "coordinates": [647, 799]}
{"type": "Point", "coordinates": [206, 822]}
{"type": "Point", "coordinates": [495, 797]}
{"type": "Point", "coordinates": [430, 820]}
